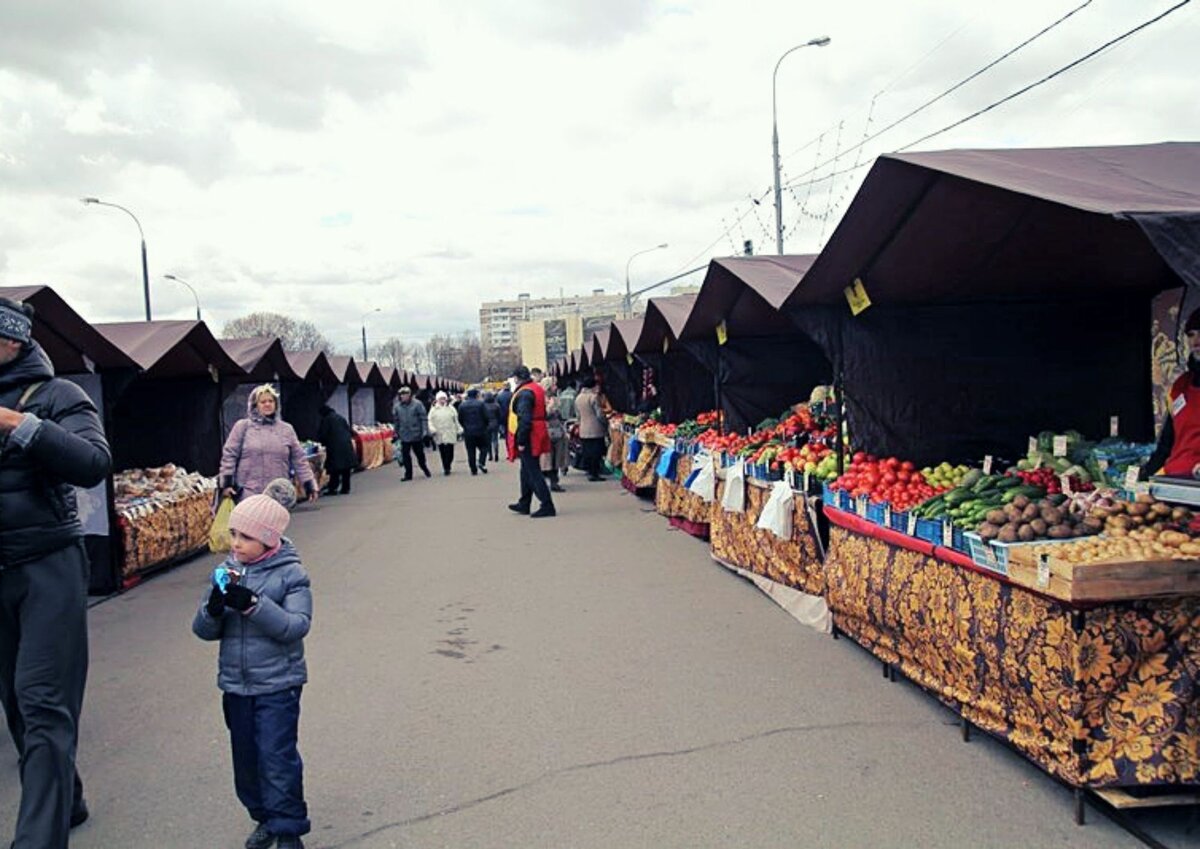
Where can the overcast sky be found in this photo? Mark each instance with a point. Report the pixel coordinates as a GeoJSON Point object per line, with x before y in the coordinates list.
{"type": "Point", "coordinates": [320, 159]}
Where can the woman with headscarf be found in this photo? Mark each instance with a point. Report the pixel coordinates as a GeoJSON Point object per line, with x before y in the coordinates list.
{"type": "Point", "coordinates": [1178, 451]}
{"type": "Point", "coordinates": [447, 431]}
{"type": "Point", "coordinates": [557, 458]}
{"type": "Point", "coordinates": [262, 448]}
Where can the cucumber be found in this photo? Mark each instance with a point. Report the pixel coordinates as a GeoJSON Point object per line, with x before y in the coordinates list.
{"type": "Point", "coordinates": [957, 496]}
{"type": "Point", "coordinates": [1031, 492]}
{"type": "Point", "coordinates": [1008, 482]}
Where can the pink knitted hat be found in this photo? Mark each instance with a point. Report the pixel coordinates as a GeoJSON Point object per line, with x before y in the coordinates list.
{"type": "Point", "coordinates": [260, 517]}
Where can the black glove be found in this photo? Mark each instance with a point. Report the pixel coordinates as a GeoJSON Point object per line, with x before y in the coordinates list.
{"type": "Point", "coordinates": [216, 603]}
{"type": "Point", "coordinates": [239, 598]}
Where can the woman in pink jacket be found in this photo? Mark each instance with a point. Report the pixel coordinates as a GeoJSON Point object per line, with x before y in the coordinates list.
{"type": "Point", "coordinates": [261, 448]}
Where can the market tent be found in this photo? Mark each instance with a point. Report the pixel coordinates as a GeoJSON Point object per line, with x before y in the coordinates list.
{"type": "Point", "coordinates": [765, 362]}
{"type": "Point", "coordinates": [170, 412]}
{"type": "Point", "coordinates": [1002, 284]}
{"type": "Point", "coordinates": [264, 361]}
{"type": "Point", "coordinates": [303, 398]}
{"type": "Point", "coordinates": [622, 373]}
{"type": "Point", "coordinates": [73, 345]}
{"type": "Point", "coordinates": [348, 377]}
{"type": "Point", "coordinates": [365, 399]}
{"type": "Point", "coordinates": [685, 387]}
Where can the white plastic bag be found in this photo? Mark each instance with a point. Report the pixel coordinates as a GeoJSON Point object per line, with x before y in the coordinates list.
{"type": "Point", "coordinates": [777, 512]}
{"type": "Point", "coordinates": [703, 480]}
{"type": "Point", "coordinates": [733, 499]}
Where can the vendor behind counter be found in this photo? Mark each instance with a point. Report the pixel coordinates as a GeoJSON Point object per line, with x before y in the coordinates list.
{"type": "Point", "coordinates": [1178, 450]}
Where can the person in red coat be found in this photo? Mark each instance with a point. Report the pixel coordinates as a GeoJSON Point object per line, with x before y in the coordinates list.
{"type": "Point", "coordinates": [1178, 451]}
{"type": "Point", "coordinates": [528, 440]}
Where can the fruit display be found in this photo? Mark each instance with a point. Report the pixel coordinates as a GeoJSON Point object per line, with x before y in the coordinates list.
{"type": "Point", "coordinates": [885, 480]}
{"type": "Point", "coordinates": [1142, 544]}
{"type": "Point", "coordinates": [968, 504]}
{"type": "Point", "coordinates": [1026, 520]}
{"type": "Point", "coordinates": [944, 475]}
{"type": "Point", "coordinates": [1127, 518]}
{"type": "Point", "coordinates": [163, 513]}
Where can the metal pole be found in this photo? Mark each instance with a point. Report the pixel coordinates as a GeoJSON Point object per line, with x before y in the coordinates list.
{"type": "Point", "coordinates": [146, 279]}
{"type": "Point", "coordinates": [628, 310]}
{"type": "Point", "coordinates": [816, 42]}
{"type": "Point", "coordinates": [364, 330]}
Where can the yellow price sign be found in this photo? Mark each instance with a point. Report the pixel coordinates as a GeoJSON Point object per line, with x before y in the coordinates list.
{"type": "Point", "coordinates": [856, 296]}
{"type": "Point", "coordinates": [722, 333]}
{"type": "Point", "coordinates": [629, 359]}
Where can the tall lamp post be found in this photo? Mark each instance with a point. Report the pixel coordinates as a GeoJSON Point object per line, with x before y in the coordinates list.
{"type": "Point", "coordinates": [628, 295]}
{"type": "Point", "coordinates": [363, 321]}
{"type": "Point", "coordinates": [145, 270]}
{"type": "Point", "coordinates": [816, 42]}
{"type": "Point", "coordinates": [190, 289]}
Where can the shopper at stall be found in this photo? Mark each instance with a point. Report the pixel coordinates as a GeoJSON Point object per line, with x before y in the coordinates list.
{"type": "Point", "coordinates": [1178, 450]}
{"type": "Point", "coordinates": [335, 433]}
{"type": "Point", "coordinates": [51, 440]}
{"type": "Point", "coordinates": [495, 425]}
{"type": "Point", "coordinates": [566, 402]}
{"type": "Point", "coordinates": [555, 461]}
{"type": "Point", "coordinates": [445, 428]}
{"type": "Point", "coordinates": [476, 426]}
{"type": "Point", "coordinates": [593, 428]}
{"type": "Point", "coordinates": [528, 440]}
{"type": "Point", "coordinates": [261, 613]}
{"type": "Point", "coordinates": [261, 448]}
{"type": "Point", "coordinates": [412, 430]}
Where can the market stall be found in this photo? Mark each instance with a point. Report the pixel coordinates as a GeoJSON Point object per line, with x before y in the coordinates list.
{"type": "Point", "coordinates": [1047, 604]}
{"type": "Point", "coordinates": [624, 376]}
{"type": "Point", "coordinates": [363, 398]}
{"type": "Point", "coordinates": [82, 355]}
{"type": "Point", "coordinates": [348, 379]}
{"type": "Point", "coordinates": [166, 418]}
{"type": "Point", "coordinates": [685, 387]}
{"type": "Point", "coordinates": [303, 397]}
{"type": "Point", "coordinates": [263, 360]}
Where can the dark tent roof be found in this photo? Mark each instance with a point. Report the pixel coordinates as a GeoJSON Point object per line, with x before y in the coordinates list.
{"type": "Point", "coordinates": [598, 348]}
{"type": "Point", "coordinates": [64, 335]}
{"type": "Point", "coordinates": [312, 366]}
{"type": "Point", "coordinates": [583, 357]}
{"type": "Point", "coordinates": [665, 318]}
{"type": "Point", "coordinates": [746, 293]}
{"type": "Point", "coordinates": [171, 348]}
{"type": "Point", "coordinates": [371, 374]}
{"type": "Point", "coordinates": [623, 338]}
{"type": "Point", "coordinates": [346, 370]}
{"type": "Point", "coordinates": [261, 357]}
{"type": "Point", "coordinates": [392, 376]}
{"type": "Point", "coordinates": [968, 225]}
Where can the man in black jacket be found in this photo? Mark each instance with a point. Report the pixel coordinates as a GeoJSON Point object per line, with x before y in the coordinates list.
{"type": "Point", "coordinates": [51, 440]}
{"type": "Point", "coordinates": [335, 433]}
{"type": "Point", "coordinates": [473, 416]}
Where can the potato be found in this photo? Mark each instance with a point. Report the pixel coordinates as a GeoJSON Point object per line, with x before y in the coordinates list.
{"type": "Point", "coordinates": [1007, 534]}
{"type": "Point", "coordinates": [1021, 502]}
{"type": "Point", "coordinates": [1160, 509]}
{"type": "Point", "coordinates": [1039, 527]}
{"type": "Point", "coordinates": [989, 530]}
{"type": "Point", "coordinates": [1059, 532]}
{"type": "Point", "coordinates": [1181, 514]}
{"type": "Point", "coordinates": [997, 517]}
{"type": "Point", "coordinates": [1094, 524]}
{"type": "Point", "coordinates": [1026, 533]}
{"type": "Point", "coordinates": [1192, 549]}
{"type": "Point", "coordinates": [1139, 509]}
{"type": "Point", "coordinates": [1052, 516]}
{"type": "Point", "coordinates": [1030, 512]}
{"type": "Point", "coordinates": [1173, 538]}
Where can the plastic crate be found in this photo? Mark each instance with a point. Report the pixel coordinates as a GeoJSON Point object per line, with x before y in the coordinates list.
{"type": "Point", "coordinates": [875, 513]}
{"type": "Point", "coordinates": [832, 497]}
{"type": "Point", "coordinates": [899, 522]}
{"type": "Point", "coordinates": [984, 554]}
{"type": "Point", "coordinates": [929, 530]}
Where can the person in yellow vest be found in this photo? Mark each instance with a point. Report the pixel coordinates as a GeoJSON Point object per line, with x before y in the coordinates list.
{"type": "Point", "coordinates": [528, 440]}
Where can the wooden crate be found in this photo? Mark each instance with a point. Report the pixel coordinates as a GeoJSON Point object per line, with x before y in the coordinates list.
{"type": "Point", "coordinates": [1080, 582]}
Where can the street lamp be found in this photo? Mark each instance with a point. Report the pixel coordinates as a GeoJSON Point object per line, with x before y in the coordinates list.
{"type": "Point", "coordinates": [628, 296]}
{"type": "Point", "coordinates": [363, 321]}
{"type": "Point", "coordinates": [193, 291]}
{"type": "Point", "coordinates": [145, 270]}
{"type": "Point", "coordinates": [816, 42]}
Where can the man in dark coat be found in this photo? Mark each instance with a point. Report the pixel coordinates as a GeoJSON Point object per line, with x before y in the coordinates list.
{"type": "Point", "coordinates": [495, 425]}
{"type": "Point", "coordinates": [51, 441]}
{"type": "Point", "coordinates": [473, 416]}
{"type": "Point", "coordinates": [528, 440]}
{"type": "Point", "coordinates": [335, 434]}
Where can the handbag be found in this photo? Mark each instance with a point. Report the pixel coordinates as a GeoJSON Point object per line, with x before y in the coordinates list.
{"type": "Point", "coordinates": [218, 534]}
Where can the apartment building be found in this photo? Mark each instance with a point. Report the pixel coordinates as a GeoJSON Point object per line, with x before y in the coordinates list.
{"type": "Point", "coordinates": [500, 325]}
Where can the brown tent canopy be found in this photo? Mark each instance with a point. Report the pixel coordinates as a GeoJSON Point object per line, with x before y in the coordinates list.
{"type": "Point", "coordinates": [262, 358]}
{"type": "Point", "coordinates": [171, 348]}
{"type": "Point", "coordinates": [969, 225]}
{"type": "Point", "coordinates": [312, 366]}
{"type": "Point", "coordinates": [623, 338]}
{"type": "Point", "coordinates": [597, 348]}
{"type": "Point", "coordinates": [346, 370]}
{"type": "Point", "coordinates": [67, 339]}
{"type": "Point", "coordinates": [746, 293]}
{"type": "Point", "coordinates": [665, 320]}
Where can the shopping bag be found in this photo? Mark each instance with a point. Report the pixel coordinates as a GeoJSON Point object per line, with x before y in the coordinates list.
{"type": "Point", "coordinates": [733, 499]}
{"type": "Point", "coordinates": [218, 534]}
{"type": "Point", "coordinates": [666, 464]}
{"type": "Point", "coordinates": [777, 512]}
{"type": "Point", "coordinates": [703, 480]}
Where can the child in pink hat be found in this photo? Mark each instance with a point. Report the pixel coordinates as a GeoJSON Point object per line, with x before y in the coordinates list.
{"type": "Point", "coordinates": [260, 608]}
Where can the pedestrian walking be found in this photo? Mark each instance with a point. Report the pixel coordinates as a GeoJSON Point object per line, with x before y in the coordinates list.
{"type": "Point", "coordinates": [445, 428]}
{"type": "Point", "coordinates": [412, 430]}
{"type": "Point", "coordinates": [335, 433]}
{"type": "Point", "coordinates": [260, 608]}
{"type": "Point", "coordinates": [495, 425]}
{"type": "Point", "coordinates": [553, 462]}
{"type": "Point", "coordinates": [51, 441]}
{"type": "Point", "coordinates": [593, 428]}
{"type": "Point", "coordinates": [261, 448]}
{"type": "Point", "coordinates": [566, 410]}
{"type": "Point", "coordinates": [504, 399]}
{"type": "Point", "coordinates": [473, 416]}
{"type": "Point", "coordinates": [528, 440]}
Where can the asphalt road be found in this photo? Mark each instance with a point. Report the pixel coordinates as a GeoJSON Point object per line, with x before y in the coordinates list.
{"type": "Point", "coordinates": [479, 679]}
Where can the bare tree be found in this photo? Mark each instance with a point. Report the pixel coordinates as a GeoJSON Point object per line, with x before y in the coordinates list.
{"type": "Point", "coordinates": [390, 352]}
{"type": "Point", "coordinates": [295, 335]}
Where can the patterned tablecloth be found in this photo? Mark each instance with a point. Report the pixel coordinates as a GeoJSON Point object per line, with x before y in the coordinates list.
{"type": "Point", "coordinates": [674, 502]}
{"type": "Point", "coordinates": [1107, 695]}
{"type": "Point", "coordinates": [639, 474]}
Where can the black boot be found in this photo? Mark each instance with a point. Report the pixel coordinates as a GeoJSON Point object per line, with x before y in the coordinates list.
{"type": "Point", "coordinates": [260, 838]}
{"type": "Point", "coordinates": [545, 510]}
{"type": "Point", "coordinates": [518, 507]}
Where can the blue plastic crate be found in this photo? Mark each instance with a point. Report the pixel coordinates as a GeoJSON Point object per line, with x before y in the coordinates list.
{"type": "Point", "coordinates": [899, 522]}
{"type": "Point", "coordinates": [930, 530]}
{"type": "Point", "coordinates": [875, 513]}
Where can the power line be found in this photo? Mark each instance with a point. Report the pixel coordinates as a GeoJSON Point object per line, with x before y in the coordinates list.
{"type": "Point", "coordinates": [957, 85]}
{"type": "Point", "coordinates": [1049, 76]}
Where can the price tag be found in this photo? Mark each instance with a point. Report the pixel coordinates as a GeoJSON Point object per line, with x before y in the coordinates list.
{"type": "Point", "coordinates": [1060, 446]}
{"type": "Point", "coordinates": [887, 515]}
{"type": "Point", "coordinates": [856, 296]}
{"type": "Point", "coordinates": [860, 506]}
{"type": "Point", "coordinates": [1033, 445]}
{"type": "Point", "coordinates": [722, 333]}
{"type": "Point", "coordinates": [1114, 426]}
{"type": "Point", "coordinates": [629, 359]}
{"type": "Point", "coordinates": [1131, 477]}
{"type": "Point", "coordinates": [912, 525]}
{"type": "Point", "coordinates": [987, 464]}
{"type": "Point", "coordinates": [1065, 481]}
{"type": "Point", "coordinates": [1043, 575]}
{"type": "Point", "coordinates": [948, 534]}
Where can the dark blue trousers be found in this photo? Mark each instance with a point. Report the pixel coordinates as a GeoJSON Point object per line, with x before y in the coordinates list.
{"type": "Point", "coordinates": [267, 771]}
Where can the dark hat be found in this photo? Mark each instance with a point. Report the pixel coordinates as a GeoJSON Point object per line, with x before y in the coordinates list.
{"type": "Point", "coordinates": [1193, 321]}
{"type": "Point", "coordinates": [16, 320]}
{"type": "Point", "coordinates": [522, 373]}
{"type": "Point", "coordinates": [472, 392]}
